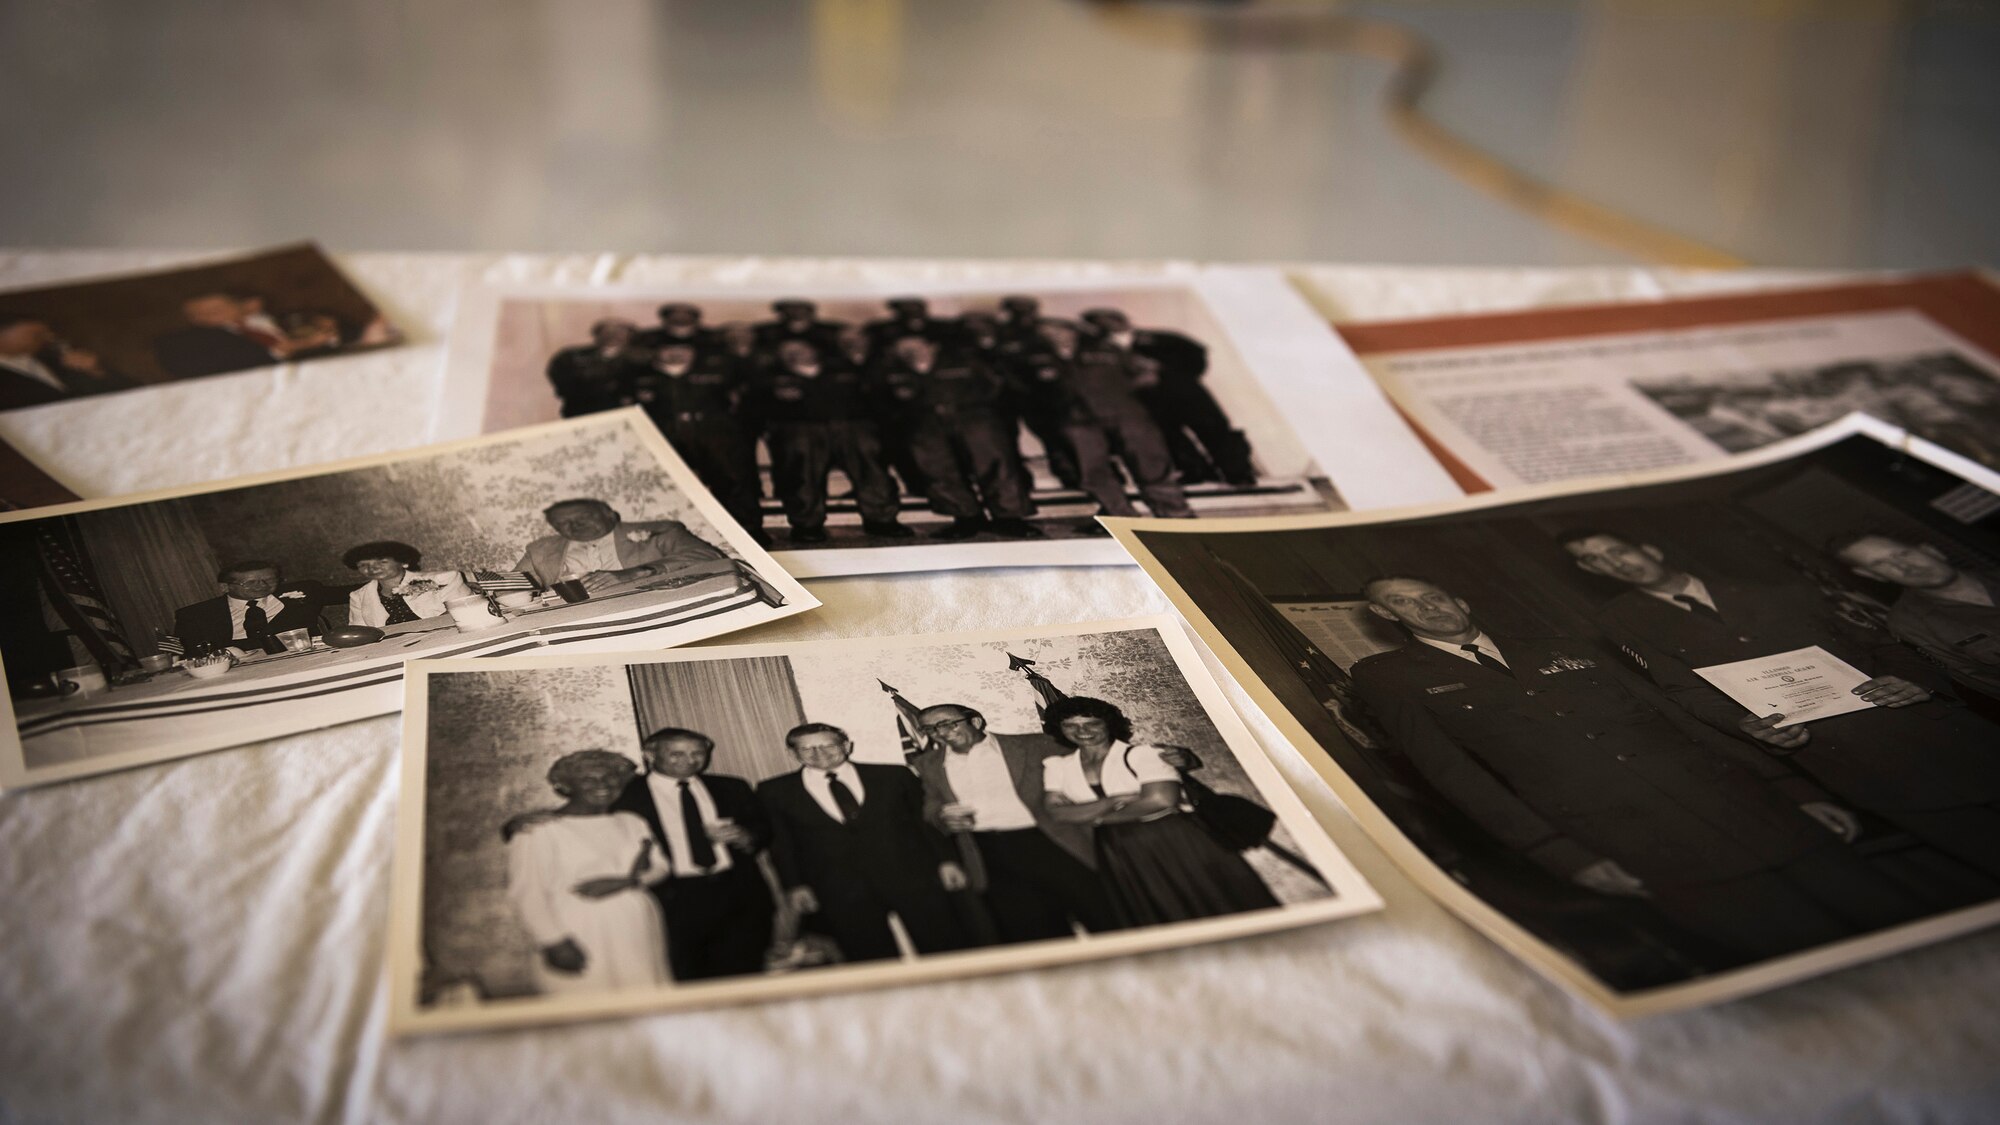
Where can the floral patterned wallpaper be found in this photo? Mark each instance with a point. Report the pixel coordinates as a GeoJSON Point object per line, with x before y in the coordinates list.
{"type": "Point", "coordinates": [466, 509]}
{"type": "Point", "coordinates": [492, 737]}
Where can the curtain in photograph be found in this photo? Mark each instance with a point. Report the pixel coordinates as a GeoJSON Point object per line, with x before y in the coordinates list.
{"type": "Point", "coordinates": [745, 705]}
{"type": "Point", "coordinates": [151, 559]}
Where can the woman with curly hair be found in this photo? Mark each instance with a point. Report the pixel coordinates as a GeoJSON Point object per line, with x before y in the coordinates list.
{"type": "Point", "coordinates": [578, 880]}
{"type": "Point", "coordinates": [398, 593]}
{"type": "Point", "coordinates": [1158, 861]}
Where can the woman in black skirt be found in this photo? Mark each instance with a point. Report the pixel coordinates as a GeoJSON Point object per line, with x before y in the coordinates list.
{"type": "Point", "coordinates": [1159, 862]}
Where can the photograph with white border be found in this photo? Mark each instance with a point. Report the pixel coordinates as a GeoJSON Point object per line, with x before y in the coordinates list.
{"type": "Point", "coordinates": [1033, 404]}
{"type": "Point", "coordinates": [1514, 695]}
{"type": "Point", "coordinates": [582, 837]}
{"type": "Point", "coordinates": [148, 627]}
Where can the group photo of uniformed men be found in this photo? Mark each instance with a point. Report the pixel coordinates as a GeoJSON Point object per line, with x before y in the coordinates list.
{"type": "Point", "coordinates": [760, 827]}
{"type": "Point", "coordinates": [996, 422]}
{"type": "Point", "coordinates": [1522, 697]}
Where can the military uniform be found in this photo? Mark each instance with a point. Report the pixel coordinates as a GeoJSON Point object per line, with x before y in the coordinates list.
{"type": "Point", "coordinates": [699, 337]}
{"type": "Point", "coordinates": [1021, 343]}
{"type": "Point", "coordinates": [696, 411]}
{"type": "Point", "coordinates": [1091, 398]}
{"type": "Point", "coordinates": [1180, 404]}
{"type": "Point", "coordinates": [587, 380]}
{"type": "Point", "coordinates": [823, 335]}
{"type": "Point", "coordinates": [961, 437]}
{"type": "Point", "coordinates": [816, 423]}
{"type": "Point", "coordinates": [883, 333]}
{"type": "Point", "coordinates": [1569, 760]}
{"type": "Point", "coordinates": [1932, 769]}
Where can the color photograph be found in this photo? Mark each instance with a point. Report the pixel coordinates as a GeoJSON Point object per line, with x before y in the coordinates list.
{"type": "Point", "coordinates": [94, 337]}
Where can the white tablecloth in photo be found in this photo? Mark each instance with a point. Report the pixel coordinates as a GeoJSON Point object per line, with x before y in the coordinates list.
{"type": "Point", "coordinates": [203, 940]}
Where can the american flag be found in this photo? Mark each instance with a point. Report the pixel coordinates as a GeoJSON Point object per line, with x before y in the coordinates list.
{"type": "Point", "coordinates": [501, 581]}
{"type": "Point", "coordinates": [1046, 693]}
{"type": "Point", "coordinates": [907, 726]}
{"type": "Point", "coordinates": [71, 583]}
{"type": "Point", "coordinates": [171, 645]}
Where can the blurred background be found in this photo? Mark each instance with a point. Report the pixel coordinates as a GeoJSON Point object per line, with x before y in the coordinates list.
{"type": "Point", "coordinates": [1836, 133]}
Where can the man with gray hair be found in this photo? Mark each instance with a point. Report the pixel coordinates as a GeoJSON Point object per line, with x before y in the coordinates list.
{"type": "Point", "coordinates": [593, 544]}
{"type": "Point", "coordinates": [1566, 758]}
{"type": "Point", "coordinates": [1945, 611]}
{"type": "Point", "coordinates": [850, 844]}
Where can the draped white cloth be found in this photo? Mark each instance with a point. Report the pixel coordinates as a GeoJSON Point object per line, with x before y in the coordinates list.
{"type": "Point", "coordinates": [203, 940]}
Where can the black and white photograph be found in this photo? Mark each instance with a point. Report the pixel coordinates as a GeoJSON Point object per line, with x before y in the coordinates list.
{"type": "Point", "coordinates": [1941, 396]}
{"type": "Point", "coordinates": [279, 306]}
{"type": "Point", "coordinates": [882, 429]}
{"type": "Point", "coordinates": [151, 627]}
{"type": "Point", "coordinates": [1674, 742]}
{"type": "Point", "coordinates": [594, 836]}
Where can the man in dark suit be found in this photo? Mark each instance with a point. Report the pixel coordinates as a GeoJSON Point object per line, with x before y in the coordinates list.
{"type": "Point", "coordinates": [256, 605]}
{"type": "Point", "coordinates": [1563, 756]}
{"type": "Point", "coordinates": [231, 332]}
{"type": "Point", "coordinates": [593, 377]}
{"type": "Point", "coordinates": [851, 844]}
{"type": "Point", "coordinates": [36, 367]}
{"type": "Point", "coordinates": [1040, 873]}
{"type": "Point", "coordinates": [716, 904]}
{"type": "Point", "coordinates": [1925, 764]}
{"type": "Point", "coordinates": [953, 410]}
{"type": "Point", "coordinates": [1948, 612]}
{"type": "Point", "coordinates": [1180, 403]}
{"type": "Point", "coordinates": [680, 323]}
{"type": "Point", "coordinates": [908, 316]}
{"type": "Point", "coordinates": [796, 319]}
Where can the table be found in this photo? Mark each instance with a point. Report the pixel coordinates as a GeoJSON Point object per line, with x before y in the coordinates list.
{"type": "Point", "coordinates": [203, 939]}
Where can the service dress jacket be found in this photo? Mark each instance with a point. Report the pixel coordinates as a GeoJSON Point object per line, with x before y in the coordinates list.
{"type": "Point", "coordinates": [1567, 758]}
{"type": "Point", "coordinates": [1924, 756]}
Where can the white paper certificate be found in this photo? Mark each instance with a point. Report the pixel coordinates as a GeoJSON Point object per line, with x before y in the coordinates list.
{"type": "Point", "coordinates": [1802, 685]}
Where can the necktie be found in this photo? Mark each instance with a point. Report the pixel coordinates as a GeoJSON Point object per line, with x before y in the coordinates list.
{"type": "Point", "coordinates": [843, 798]}
{"type": "Point", "coordinates": [256, 625]}
{"type": "Point", "coordinates": [1697, 605]}
{"type": "Point", "coordinates": [699, 848]}
{"type": "Point", "coordinates": [1485, 661]}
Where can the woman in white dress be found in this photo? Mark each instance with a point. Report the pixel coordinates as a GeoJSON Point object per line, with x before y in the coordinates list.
{"type": "Point", "coordinates": [396, 592]}
{"type": "Point", "coordinates": [1158, 861]}
{"type": "Point", "coordinates": [579, 881]}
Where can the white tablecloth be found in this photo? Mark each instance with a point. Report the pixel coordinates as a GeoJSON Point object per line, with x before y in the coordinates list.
{"type": "Point", "coordinates": [203, 940]}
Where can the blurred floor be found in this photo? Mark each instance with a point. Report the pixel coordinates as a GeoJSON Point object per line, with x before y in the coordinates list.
{"type": "Point", "coordinates": [1789, 132]}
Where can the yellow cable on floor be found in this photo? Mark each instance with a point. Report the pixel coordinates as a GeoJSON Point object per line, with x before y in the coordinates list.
{"type": "Point", "coordinates": [1292, 26]}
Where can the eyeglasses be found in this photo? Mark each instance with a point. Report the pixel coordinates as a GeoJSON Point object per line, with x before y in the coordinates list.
{"type": "Point", "coordinates": [943, 725]}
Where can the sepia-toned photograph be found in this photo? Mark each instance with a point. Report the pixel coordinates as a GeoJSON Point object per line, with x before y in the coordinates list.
{"type": "Point", "coordinates": [586, 837]}
{"type": "Point", "coordinates": [152, 627]}
{"type": "Point", "coordinates": [1662, 741]}
{"type": "Point", "coordinates": [82, 338]}
{"type": "Point", "coordinates": [861, 431]}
